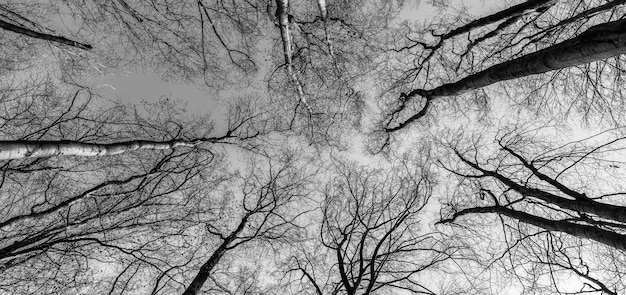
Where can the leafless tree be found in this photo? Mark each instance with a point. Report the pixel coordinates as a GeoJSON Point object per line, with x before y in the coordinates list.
{"type": "Point", "coordinates": [269, 195]}
{"type": "Point", "coordinates": [325, 50]}
{"type": "Point", "coordinates": [570, 40]}
{"type": "Point", "coordinates": [69, 221]}
{"type": "Point", "coordinates": [370, 240]}
{"type": "Point", "coordinates": [210, 41]}
{"type": "Point", "coordinates": [559, 206]}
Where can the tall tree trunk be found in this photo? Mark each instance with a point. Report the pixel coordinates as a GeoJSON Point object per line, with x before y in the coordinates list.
{"type": "Point", "coordinates": [42, 36]}
{"type": "Point", "coordinates": [321, 5]}
{"type": "Point", "coordinates": [578, 204]}
{"type": "Point", "coordinates": [205, 270]}
{"type": "Point", "coordinates": [20, 149]}
{"type": "Point", "coordinates": [597, 43]}
{"type": "Point", "coordinates": [600, 235]}
{"type": "Point", "coordinates": [282, 14]}
{"type": "Point", "coordinates": [513, 11]}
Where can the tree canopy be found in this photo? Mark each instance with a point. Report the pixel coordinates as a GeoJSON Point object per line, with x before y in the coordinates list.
{"type": "Point", "coordinates": [342, 147]}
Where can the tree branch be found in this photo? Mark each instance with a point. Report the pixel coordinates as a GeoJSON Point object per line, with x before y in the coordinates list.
{"type": "Point", "coordinates": [42, 36]}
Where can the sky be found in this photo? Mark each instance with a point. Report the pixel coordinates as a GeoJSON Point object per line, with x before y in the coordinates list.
{"type": "Point", "coordinates": [136, 85]}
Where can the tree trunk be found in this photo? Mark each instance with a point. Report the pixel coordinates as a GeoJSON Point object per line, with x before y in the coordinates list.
{"type": "Point", "coordinates": [578, 204]}
{"type": "Point", "coordinates": [206, 269]}
{"type": "Point", "coordinates": [596, 43]}
{"type": "Point", "coordinates": [42, 36]}
{"type": "Point", "coordinates": [203, 274]}
{"type": "Point", "coordinates": [321, 5]}
{"type": "Point", "coordinates": [282, 14]}
{"type": "Point", "coordinates": [512, 11]}
{"type": "Point", "coordinates": [606, 237]}
{"type": "Point", "coordinates": [20, 149]}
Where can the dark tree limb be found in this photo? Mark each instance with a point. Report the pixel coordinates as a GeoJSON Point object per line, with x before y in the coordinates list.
{"type": "Point", "coordinates": [206, 268]}
{"type": "Point", "coordinates": [544, 177]}
{"type": "Point", "coordinates": [513, 11]}
{"type": "Point", "coordinates": [609, 238]}
{"type": "Point", "coordinates": [586, 205]}
{"type": "Point", "coordinates": [42, 36]}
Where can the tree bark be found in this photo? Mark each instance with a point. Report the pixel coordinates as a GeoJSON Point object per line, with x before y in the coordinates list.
{"type": "Point", "coordinates": [203, 274]}
{"type": "Point", "coordinates": [206, 269]}
{"type": "Point", "coordinates": [282, 14]}
{"type": "Point", "coordinates": [20, 149]}
{"type": "Point", "coordinates": [578, 204]}
{"type": "Point", "coordinates": [606, 237]}
{"type": "Point", "coordinates": [597, 43]}
{"type": "Point", "coordinates": [512, 11]}
{"type": "Point", "coordinates": [321, 5]}
{"type": "Point", "coordinates": [43, 36]}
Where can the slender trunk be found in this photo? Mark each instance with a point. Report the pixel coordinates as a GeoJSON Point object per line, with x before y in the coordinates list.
{"type": "Point", "coordinates": [583, 205]}
{"type": "Point", "coordinates": [342, 269]}
{"type": "Point", "coordinates": [501, 15]}
{"type": "Point", "coordinates": [43, 36]}
{"type": "Point", "coordinates": [321, 4]}
{"type": "Point", "coordinates": [56, 209]}
{"type": "Point", "coordinates": [589, 13]}
{"type": "Point", "coordinates": [282, 14]}
{"type": "Point", "coordinates": [30, 244]}
{"type": "Point", "coordinates": [318, 291]}
{"type": "Point", "coordinates": [606, 237]}
{"type": "Point", "coordinates": [566, 190]}
{"type": "Point", "coordinates": [607, 211]}
{"type": "Point", "coordinates": [20, 149]}
{"type": "Point", "coordinates": [205, 270]}
{"type": "Point", "coordinates": [597, 43]}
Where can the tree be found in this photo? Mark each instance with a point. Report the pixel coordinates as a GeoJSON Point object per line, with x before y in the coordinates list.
{"type": "Point", "coordinates": [98, 196]}
{"type": "Point", "coordinates": [43, 36]}
{"type": "Point", "coordinates": [370, 240]}
{"type": "Point", "coordinates": [559, 205]}
{"type": "Point", "coordinates": [267, 197]}
{"type": "Point", "coordinates": [64, 218]}
{"type": "Point", "coordinates": [596, 43]}
{"type": "Point", "coordinates": [326, 50]}
{"type": "Point", "coordinates": [537, 204]}
{"type": "Point", "coordinates": [212, 42]}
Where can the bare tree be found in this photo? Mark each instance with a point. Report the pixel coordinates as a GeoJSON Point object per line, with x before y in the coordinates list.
{"type": "Point", "coordinates": [532, 39]}
{"type": "Point", "coordinates": [66, 217]}
{"type": "Point", "coordinates": [326, 49]}
{"type": "Point", "coordinates": [370, 240]}
{"type": "Point", "coordinates": [209, 41]}
{"type": "Point", "coordinates": [43, 36]}
{"type": "Point", "coordinates": [11, 20]}
{"type": "Point", "coordinates": [559, 206]}
{"type": "Point", "coordinates": [268, 194]}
